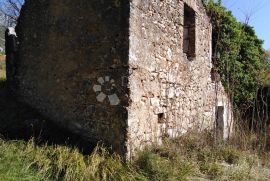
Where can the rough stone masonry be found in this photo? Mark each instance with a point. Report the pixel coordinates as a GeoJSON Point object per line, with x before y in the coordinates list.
{"type": "Point", "coordinates": [127, 73]}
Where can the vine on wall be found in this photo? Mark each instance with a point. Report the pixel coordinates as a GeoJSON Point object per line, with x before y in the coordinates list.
{"type": "Point", "coordinates": [238, 56]}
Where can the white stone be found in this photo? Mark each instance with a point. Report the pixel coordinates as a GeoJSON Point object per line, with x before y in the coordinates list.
{"type": "Point", "coordinates": [162, 75]}
{"type": "Point", "coordinates": [132, 56]}
{"type": "Point", "coordinates": [170, 92]}
{"type": "Point", "coordinates": [11, 31]}
{"type": "Point", "coordinates": [169, 54]}
{"type": "Point", "coordinates": [155, 102]}
{"type": "Point", "coordinates": [208, 114]}
{"type": "Point", "coordinates": [101, 97]}
{"type": "Point", "coordinates": [97, 88]}
{"type": "Point", "coordinates": [158, 110]}
{"type": "Point", "coordinates": [107, 78]}
{"type": "Point", "coordinates": [101, 80]}
{"type": "Point", "coordinates": [163, 92]}
{"type": "Point", "coordinates": [171, 132]}
{"type": "Point", "coordinates": [114, 100]}
{"type": "Point", "coordinates": [177, 92]}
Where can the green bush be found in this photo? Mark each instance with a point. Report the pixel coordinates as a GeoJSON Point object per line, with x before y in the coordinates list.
{"type": "Point", "coordinates": [231, 155]}
{"type": "Point", "coordinates": [156, 167]}
{"type": "Point", "coordinates": [239, 56]}
{"type": "Point", "coordinates": [212, 169]}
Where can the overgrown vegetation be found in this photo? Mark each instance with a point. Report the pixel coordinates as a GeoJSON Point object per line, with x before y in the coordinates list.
{"type": "Point", "coordinates": [190, 157]}
{"type": "Point", "coordinates": [244, 69]}
{"type": "Point", "coordinates": [2, 69]}
{"type": "Point", "coordinates": [238, 56]}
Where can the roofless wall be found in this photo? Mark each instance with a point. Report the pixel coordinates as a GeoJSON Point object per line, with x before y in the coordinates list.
{"type": "Point", "coordinates": [127, 73]}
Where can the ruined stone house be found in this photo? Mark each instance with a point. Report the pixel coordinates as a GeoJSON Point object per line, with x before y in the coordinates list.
{"type": "Point", "coordinates": [128, 73]}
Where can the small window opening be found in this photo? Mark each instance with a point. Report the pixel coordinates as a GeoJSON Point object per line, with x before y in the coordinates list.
{"type": "Point", "coordinates": [161, 118]}
{"type": "Point", "coordinates": [220, 122]}
{"type": "Point", "coordinates": [189, 32]}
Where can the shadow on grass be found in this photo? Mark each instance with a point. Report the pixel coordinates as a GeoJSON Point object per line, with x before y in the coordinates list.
{"type": "Point", "coordinates": [20, 122]}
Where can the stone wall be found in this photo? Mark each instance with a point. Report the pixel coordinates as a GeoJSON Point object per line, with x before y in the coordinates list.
{"type": "Point", "coordinates": [73, 55]}
{"type": "Point", "coordinates": [114, 70]}
{"type": "Point", "coordinates": [170, 93]}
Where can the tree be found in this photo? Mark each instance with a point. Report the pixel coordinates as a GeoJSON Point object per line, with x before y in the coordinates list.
{"type": "Point", "coordinates": [265, 74]}
{"type": "Point", "coordinates": [240, 59]}
{"type": "Point", "coordinates": [10, 11]}
{"type": "Point", "coordinates": [266, 56]}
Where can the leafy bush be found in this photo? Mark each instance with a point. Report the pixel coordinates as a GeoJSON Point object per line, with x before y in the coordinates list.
{"type": "Point", "coordinates": [238, 55]}
{"type": "Point", "coordinates": [156, 167]}
{"type": "Point", "coordinates": [212, 169]}
{"type": "Point", "coordinates": [231, 155]}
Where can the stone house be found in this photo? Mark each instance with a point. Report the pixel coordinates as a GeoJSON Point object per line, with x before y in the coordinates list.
{"type": "Point", "coordinates": [128, 73]}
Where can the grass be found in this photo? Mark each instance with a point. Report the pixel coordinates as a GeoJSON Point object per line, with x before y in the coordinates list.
{"type": "Point", "coordinates": [26, 161]}
{"type": "Point", "coordinates": [2, 70]}
{"type": "Point", "coordinates": [12, 166]}
{"type": "Point", "coordinates": [183, 158]}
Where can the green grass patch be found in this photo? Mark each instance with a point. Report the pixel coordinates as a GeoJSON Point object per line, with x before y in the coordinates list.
{"type": "Point", "coordinates": [26, 161]}
{"type": "Point", "coordinates": [173, 161]}
{"type": "Point", "coordinates": [14, 164]}
{"type": "Point", "coordinates": [157, 167]}
{"type": "Point", "coordinates": [2, 70]}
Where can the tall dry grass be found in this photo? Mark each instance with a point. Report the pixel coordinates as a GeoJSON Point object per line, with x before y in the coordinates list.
{"type": "Point", "coordinates": [192, 156]}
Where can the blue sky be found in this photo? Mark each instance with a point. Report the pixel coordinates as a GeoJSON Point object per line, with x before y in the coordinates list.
{"type": "Point", "coordinates": [259, 13]}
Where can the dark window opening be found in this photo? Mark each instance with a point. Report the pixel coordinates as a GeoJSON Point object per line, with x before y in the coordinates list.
{"type": "Point", "coordinates": [189, 32]}
{"type": "Point", "coordinates": [161, 118]}
{"type": "Point", "coordinates": [220, 122]}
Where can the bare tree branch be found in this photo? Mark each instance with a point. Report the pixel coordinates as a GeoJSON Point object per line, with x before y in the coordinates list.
{"type": "Point", "coordinates": [10, 11]}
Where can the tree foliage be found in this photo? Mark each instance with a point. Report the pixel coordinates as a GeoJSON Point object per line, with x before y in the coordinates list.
{"type": "Point", "coordinates": [265, 75]}
{"type": "Point", "coordinates": [238, 55]}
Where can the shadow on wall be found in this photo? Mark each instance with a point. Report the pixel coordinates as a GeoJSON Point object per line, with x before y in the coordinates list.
{"type": "Point", "coordinates": [19, 121]}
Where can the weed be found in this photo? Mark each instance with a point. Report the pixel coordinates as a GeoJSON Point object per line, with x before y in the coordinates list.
{"type": "Point", "coordinates": [156, 167]}
{"type": "Point", "coordinates": [231, 155]}
{"type": "Point", "coordinates": [174, 160]}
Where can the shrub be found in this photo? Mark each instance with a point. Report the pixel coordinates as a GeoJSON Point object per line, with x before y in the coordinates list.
{"type": "Point", "coordinates": [231, 155]}
{"type": "Point", "coordinates": [156, 167]}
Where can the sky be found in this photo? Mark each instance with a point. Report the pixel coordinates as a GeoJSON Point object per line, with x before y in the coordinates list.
{"type": "Point", "coordinates": [259, 13]}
